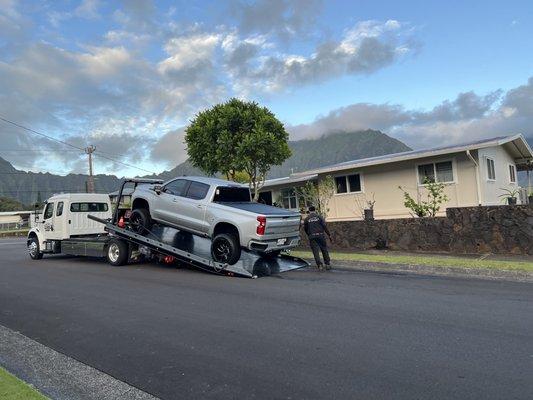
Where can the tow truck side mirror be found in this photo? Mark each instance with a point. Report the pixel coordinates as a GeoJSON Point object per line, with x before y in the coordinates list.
{"type": "Point", "coordinates": [158, 188]}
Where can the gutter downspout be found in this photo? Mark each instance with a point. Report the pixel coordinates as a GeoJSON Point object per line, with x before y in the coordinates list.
{"type": "Point", "coordinates": [478, 186]}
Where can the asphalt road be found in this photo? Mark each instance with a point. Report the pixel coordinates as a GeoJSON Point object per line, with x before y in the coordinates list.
{"type": "Point", "coordinates": [179, 333]}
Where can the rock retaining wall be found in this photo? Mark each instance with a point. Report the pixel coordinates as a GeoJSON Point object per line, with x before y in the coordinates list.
{"type": "Point", "coordinates": [491, 229]}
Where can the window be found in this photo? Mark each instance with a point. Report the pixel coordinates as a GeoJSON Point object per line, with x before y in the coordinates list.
{"type": "Point", "coordinates": [289, 199]}
{"type": "Point", "coordinates": [512, 173]}
{"type": "Point", "coordinates": [225, 194]}
{"type": "Point", "coordinates": [350, 183]}
{"type": "Point", "coordinates": [435, 172]}
{"type": "Point", "coordinates": [49, 211]}
{"type": "Point", "coordinates": [197, 190]}
{"type": "Point", "coordinates": [491, 172]}
{"type": "Point", "coordinates": [59, 210]}
{"type": "Point", "coordinates": [88, 207]}
{"type": "Point", "coordinates": [177, 187]}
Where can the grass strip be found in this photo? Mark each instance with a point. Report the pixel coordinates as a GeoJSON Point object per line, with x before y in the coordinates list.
{"type": "Point", "coordinates": [12, 388]}
{"type": "Point", "coordinates": [434, 261]}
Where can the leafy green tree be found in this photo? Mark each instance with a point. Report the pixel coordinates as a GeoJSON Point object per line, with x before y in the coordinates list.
{"type": "Point", "coordinates": [236, 138]}
{"type": "Point", "coordinates": [430, 207]}
{"type": "Point", "coordinates": [8, 204]}
{"type": "Point", "coordinates": [317, 194]}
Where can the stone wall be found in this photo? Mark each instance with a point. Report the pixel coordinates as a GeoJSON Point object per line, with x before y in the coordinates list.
{"type": "Point", "coordinates": [492, 229]}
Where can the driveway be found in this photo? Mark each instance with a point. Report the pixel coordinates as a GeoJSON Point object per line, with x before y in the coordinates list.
{"type": "Point", "coordinates": [180, 333]}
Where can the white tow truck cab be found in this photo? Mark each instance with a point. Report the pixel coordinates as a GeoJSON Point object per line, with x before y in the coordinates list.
{"type": "Point", "coordinates": [64, 218]}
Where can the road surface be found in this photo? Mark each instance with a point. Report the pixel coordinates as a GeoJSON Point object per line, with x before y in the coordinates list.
{"type": "Point", "coordinates": [180, 333]}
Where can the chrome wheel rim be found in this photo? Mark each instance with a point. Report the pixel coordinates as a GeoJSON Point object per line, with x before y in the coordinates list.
{"type": "Point", "coordinates": [113, 252]}
{"type": "Point", "coordinates": [32, 248]}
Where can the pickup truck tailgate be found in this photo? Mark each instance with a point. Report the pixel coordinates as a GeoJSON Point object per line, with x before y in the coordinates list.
{"type": "Point", "coordinates": [279, 225]}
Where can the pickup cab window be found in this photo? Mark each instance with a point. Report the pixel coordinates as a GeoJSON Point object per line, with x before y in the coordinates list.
{"type": "Point", "coordinates": [177, 187]}
{"type": "Point", "coordinates": [228, 194]}
{"type": "Point", "coordinates": [197, 190]}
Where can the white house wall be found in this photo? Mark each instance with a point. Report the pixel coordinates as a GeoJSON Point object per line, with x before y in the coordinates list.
{"type": "Point", "coordinates": [492, 190]}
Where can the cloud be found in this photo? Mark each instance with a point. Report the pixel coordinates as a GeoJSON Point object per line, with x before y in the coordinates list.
{"type": "Point", "coordinates": [468, 117]}
{"type": "Point", "coordinates": [170, 147]}
{"type": "Point", "coordinates": [363, 49]}
{"type": "Point", "coordinates": [283, 18]}
{"type": "Point", "coordinates": [88, 9]}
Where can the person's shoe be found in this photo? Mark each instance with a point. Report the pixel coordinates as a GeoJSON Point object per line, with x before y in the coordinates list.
{"type": "Point", "coordinates": [320, 267]}
{"type": "Point", "coordinates": [328, 266]}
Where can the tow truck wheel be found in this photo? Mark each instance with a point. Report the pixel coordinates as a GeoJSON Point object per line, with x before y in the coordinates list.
{"type": "Point", "coordinates": [225, 249]}
{"type": "Point", "coordinates": [117, 252]}
{"type": "Point", "coordinates": [140, 220]}
{"type": "Point", "coordinates": [33, 249]}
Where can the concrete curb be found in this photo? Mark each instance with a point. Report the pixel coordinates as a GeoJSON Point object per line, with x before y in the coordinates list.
{"type": "Point", "coordinates": [58, 376]}
{"type": "Point", "coordinates": [475, 273]}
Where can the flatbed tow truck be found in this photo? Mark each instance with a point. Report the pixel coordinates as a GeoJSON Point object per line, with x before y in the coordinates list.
{"type": "Point", "coordinates": [67, 218]}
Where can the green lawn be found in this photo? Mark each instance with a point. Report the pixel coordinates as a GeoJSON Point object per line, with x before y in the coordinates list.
{"type": "Point", "coordinates": [435, 261]}
{"type": "Point", "coordinates": [12, 388]}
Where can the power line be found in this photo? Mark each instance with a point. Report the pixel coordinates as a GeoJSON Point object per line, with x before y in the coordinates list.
{"type": "Point", "coordinates": [71, 145]}
{"type": "Point", "coordinates": [39, 133]}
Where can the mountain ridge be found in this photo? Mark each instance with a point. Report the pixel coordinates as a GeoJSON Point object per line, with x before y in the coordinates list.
{"type": "Point", "coordinates": [328, 149]}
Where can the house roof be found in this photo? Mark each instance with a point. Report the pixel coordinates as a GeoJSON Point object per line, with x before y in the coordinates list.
{"type": "Point", "coordinates": [290, 179]}
{"type": "Point", "coordinates": [516, 145]}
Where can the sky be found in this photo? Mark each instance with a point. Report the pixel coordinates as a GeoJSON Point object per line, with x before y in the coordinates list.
{"type": "Point", "coordinates": [128, 76]}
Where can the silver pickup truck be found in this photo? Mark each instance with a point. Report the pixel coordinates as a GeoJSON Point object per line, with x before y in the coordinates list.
{"type": "Point", "coordinates": [220, 210]}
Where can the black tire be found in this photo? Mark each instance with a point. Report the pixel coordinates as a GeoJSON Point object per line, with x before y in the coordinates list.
{"type": "Point", "coordinates": [225, 248]}
{"type": "Point", "coordinates": [33, 249]}
{"type": "Point", "coordinates": [117, 252]}
{"type": "Point", "coordinates": [141, 221]}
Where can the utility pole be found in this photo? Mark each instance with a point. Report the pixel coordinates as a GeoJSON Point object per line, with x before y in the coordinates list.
{"type": "Point", "coordinates": [90, 182]}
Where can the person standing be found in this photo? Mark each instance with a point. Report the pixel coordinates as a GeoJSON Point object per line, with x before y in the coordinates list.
{"type": "Point", "coordinates": [316, 229]}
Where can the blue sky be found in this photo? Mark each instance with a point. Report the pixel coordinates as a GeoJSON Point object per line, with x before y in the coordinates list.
{"type": "Point", "coordinates": [127, 76]}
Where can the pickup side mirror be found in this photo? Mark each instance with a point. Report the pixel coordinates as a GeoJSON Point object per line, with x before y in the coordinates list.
{"type": "Point", "coordinates": [158, 188]}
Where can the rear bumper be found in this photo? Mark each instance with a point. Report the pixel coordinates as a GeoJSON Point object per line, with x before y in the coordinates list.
{"type": "Point", "coordinates": [271, 245]}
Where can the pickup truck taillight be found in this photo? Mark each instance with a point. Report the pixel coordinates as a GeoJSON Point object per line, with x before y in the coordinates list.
{"type": "Point", "coordinates": [261, 225]}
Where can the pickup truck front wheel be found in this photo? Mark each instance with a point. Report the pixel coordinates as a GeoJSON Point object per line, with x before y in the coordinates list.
{"type": "Point", "coordinates": [225, 248]}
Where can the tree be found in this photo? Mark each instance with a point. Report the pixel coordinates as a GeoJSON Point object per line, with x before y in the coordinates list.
{"type": "Point", "coordinates": [435, 198]}
{"type": "Point", "coordinates": [318, 194]}
{"type": "Point", "coordinates": [236, 138]}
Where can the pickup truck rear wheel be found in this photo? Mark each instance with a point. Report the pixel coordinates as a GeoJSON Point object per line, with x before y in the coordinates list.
{"type": "Point", "coordinates": [225, 248]}
{"type": "Point", "coordinates": [140, 220]}
{"type": "Point", "coordinates": [117, 252]}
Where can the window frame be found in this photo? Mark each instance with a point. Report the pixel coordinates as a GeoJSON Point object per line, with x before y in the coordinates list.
{"type": "Point", "coordinates": [361, 186]}
{"type": "Point", "coordinates": [434, 163]}
{"type": "Point", "coordinates": [60, 207]}
{"type": "Point", "coordinates": [513, 168]}
{"type": "Point", "coordinates": [189, 188]}
{"type": "Point", "coordinates": [186, 189]}
{"type": "Point", "coordinates": [294, 195]}
{"type": "Point", "coordinates": [87, 202]}
{"type": "Point", "coordinates": [487, 159]}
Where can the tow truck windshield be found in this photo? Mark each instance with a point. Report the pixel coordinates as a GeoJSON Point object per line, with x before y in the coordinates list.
{"type": "Point", "coordinates": [228, 194]}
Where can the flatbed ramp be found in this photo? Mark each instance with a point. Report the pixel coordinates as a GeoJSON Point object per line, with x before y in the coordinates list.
{"type": "Point", "coordinates": [195, 251]}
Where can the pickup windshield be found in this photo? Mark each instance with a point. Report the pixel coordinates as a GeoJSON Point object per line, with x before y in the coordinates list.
{"type": "Point", "coordinates": [228, 194]}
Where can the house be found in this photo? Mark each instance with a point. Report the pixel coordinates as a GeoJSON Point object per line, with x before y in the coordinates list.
{"type": "Point", "coordinates": [125, 201]}
{"type": "Point", "coordinates": [10, 220]}
{"type": "Point", "coordinates": [474, 173]}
